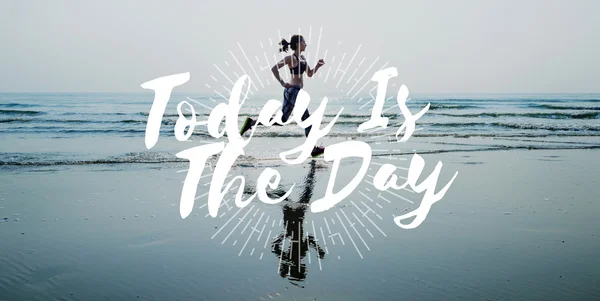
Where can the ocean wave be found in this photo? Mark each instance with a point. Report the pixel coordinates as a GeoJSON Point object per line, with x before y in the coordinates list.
{"type": "Point", "coordinates": [17, 105]}
{"type": "Point", "coordinates": [82, 121]}
{"type": "Point", "coordinates": [20, 112]}
{"type": "Point", "coordinates": [490, 148]}
{"type": "Point", "coordinates": [563, 107]}
{"type": "Point", "coordinates": [522, 126]}
{"type": "Point", "coordinates": [434, 106]}
{"type": "Point", "coordinates": [554, 115]}
{"type": "Point", "coordinates": [11, 120]}
{"type": "Point", "coordinates": [134, 157]}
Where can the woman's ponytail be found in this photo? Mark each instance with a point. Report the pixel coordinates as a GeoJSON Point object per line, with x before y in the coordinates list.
{"type": "Point", "coordinates": [284, 45]}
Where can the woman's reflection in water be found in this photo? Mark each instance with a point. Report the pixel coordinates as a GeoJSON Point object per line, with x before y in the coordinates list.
{"type": "Point", "coordinates": [291, 252]}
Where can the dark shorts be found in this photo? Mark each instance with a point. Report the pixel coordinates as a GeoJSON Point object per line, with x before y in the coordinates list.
{"type": "Point", "coordinates": [289, 102]}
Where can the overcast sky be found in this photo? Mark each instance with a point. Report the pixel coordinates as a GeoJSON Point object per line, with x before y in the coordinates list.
{"type": "Point", "coordinates": [437, 46]}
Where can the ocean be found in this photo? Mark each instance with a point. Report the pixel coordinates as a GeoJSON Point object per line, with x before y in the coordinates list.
{"type": "Point", "coordinates": [87, 128]}
{"type": "Point", "coordinates": [87, 212]}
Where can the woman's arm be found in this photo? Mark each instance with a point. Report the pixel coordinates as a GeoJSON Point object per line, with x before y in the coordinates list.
{"type": "Point", "coordinates": [275, 70]}
{"type": "Point", "coordinates": [311, 72]}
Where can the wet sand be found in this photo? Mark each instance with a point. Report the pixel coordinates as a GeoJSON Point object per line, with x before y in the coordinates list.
{"type": "Point", "coordinates": [515, 225]}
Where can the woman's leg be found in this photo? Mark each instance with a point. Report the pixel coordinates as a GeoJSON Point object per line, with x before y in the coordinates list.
{"type": "Point", "coordinates": [304, 117]}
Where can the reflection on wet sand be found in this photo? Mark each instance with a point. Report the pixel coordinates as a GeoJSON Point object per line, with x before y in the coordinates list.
{"type": "Point", "coordinates": [293, 245]}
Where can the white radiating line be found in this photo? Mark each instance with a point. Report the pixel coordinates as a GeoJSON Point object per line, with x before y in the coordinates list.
{"type": "Point", "coordinates": [207, 85]}
{"type": "Point", "coordinates": [384, 65]}
{"type": "Point", "coordinates": [208, 175]}
{"type": "Point", "coordinates": [267, 60]}
{"type": "Point", "coordinates": [282, 248]}
{"type": "Point", "coordinates": [393, 158]}
{"type": "Point", "coordinates": [381, 164]}
{"type": "Point", "coordinates": [191, 99]}
{"type": "Point", "coordinates": [261, 255]}
{"type": "Point", "coordinates": [352, 226]}
{"type": "Point", "coordinates": [361, 61]}
{"type": "Point", "coordinates": [366, 104]}
{"type": "Point", "coordinates": [250, 236]}
{"type": "Point", "coordinates": [222, 204]}
{"type": "Point", "coordinates": [381, 197]}
{"type": "Point", "coordinates": [273, 223]}
{"type": "Point", "coordinates": [299, 242]}
{"type": "Point", "coordinates": [201, 104]}
{"type": "Point", "coordinates": [339, 65]}
{"type": "Point", "coordinates": [366, 196]}
{"type": "Point", "coordinates": [352, 240]}
{"type": "Point", "coordinates": [227, 89]}
{"type": "Point", "coordinates": [244, 230]}
{"type": "Point", "coordinates": [316, 240]}
{"type": "Point", "coordinates": [401, 177]}
{"type": "Point", "coordinates": [203, 205]}
{"type": "Point", "coordinates": [404, 188]}
{"type": "Point", "coordinates": [358, 220]}
{"type": "Point", "coordinates": [261, 232]}
{"type": "Point", "coordinates": [323, 236]}
{"type": "Point", "coordinates": [218, 93]}
{"type": "Point", "coordinates": [352, 76]}
{"type": "Point", "coordinates": [240, 65]}
{"type": "Point", "coordinates": [379, 216]}
{"type": "Point", "coordinates": [235, 225]}
{"type": "Point", "coordinates": [329, 71]}
{"type": "Point", "coordinates": [400, 197]}
{"type": "Point", "coordinates": [251, 66]}
{"type": "Point", "coordinates": [360, 79]}
{"type": "Point", "coordinates": [223, 73]}
{"type": "Point", "coordinates": [391, 107]}
{"type": "Point", "coordinates": [369, 233]}
{"type": "Point", "coordinates": [235, 242]}
{"type": "Point", "coordinates": [287, 76]}
{"type": "Point", "coordinates": [348, 65]}
{"type": "Point", "coordinates": [200, 196]}
{"type": "Point", "coordinates": [318, 44]}
{"type": "Point", "coordinates": [369, 219]}
{"type": "Point", "coordinates": [227, 63]}
{"type": "Point", "coordinates": [267, 240]}
{"type": "Point", "coordinates": [327, 224]}
{"type": "Point", "coordinates": [252, 252]}
{"type": "Point", "coordinates": [214, 78]}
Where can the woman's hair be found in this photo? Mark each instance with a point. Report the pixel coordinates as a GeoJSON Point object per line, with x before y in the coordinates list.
{"type": "Point", "coordinates": [294, 41]}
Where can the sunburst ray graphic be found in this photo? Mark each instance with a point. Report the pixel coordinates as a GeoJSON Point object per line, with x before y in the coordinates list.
{"type": "Point", "coordinates": [255, 230]}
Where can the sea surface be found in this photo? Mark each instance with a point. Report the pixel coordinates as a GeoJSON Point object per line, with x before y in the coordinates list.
{"type": "Point", "coordinates": [82, 128]}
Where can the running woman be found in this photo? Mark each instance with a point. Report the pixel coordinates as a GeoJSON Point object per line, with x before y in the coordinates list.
{"type": "Point", "coordinates": [297, 65]}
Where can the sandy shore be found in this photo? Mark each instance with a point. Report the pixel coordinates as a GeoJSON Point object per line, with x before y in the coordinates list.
{"type": "Point", "coordinates": [514, 225]}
